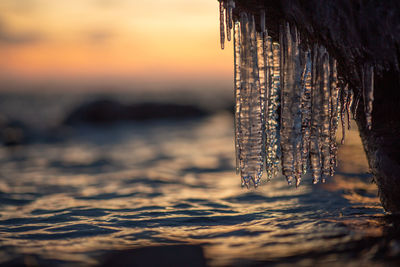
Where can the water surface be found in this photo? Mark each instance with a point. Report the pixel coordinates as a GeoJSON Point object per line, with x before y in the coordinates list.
{"type": "Point", "coordinates": [134, 185]}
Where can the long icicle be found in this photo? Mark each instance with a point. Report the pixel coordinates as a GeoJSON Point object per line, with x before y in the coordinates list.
{"type": "Point", "coordinates": [345, 109]}
{"type": "Point", "coordinates": [237, 82]}
{"type": "Point", "coordinates": [291, 135]}
{"type": "Point", "coordinates": [315, 152]}
{"type": "Point", "coordinates": [306, 109]}
{"type": "Point", "coordinates": [368, 92]}
{"type": "Point", "coordinates": [334, 118]}
{"type": "Point", "coordinates": [273, 128]}
{"type": "Point", "coordinates": [263, 79]}
{"type": "Point", "coordinates": [250, 113]}
{"type": "Point", "coordinates": [325, 115]}
{"type": "Point", "coordinates": [221, 24]}
{"type": "Point", "coordinates": [287, 84]}
{"type": "Point", "coordinates": [296, 106]}
{"type": "Point", "coordinates": [228, 20]}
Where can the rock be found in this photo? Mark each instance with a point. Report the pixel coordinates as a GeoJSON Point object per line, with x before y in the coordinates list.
{"type": "Point", "coordinates": [108, 111]}
{"type": "Point", "coordinates": [13, 132]}
{"type": "Point", "coordinates": [356, 33]}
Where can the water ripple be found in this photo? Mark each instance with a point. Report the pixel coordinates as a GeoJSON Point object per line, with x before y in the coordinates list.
{"type": "Point", "coordinates": [72, 203]}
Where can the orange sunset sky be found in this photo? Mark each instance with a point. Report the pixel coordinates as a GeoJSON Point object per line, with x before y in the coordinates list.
{"type": "Point", "coordinates": [119, 42]}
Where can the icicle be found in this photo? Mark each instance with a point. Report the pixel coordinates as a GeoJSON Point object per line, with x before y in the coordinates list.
{"type": "Point", "coordinates": [349, 103]}
{"type": "Point", "coordinates": [237, 45]}
{"type": "Point", "coordinates": [306, 109]}
{"type": "Point", "coordinates": [343, 110]}
{"type": "Point", "coordinates": [250, 114]}
{"type": "Point", "coordinates": [355, 108]}
{"type": "Point", "coordinates": [221, 24]}
{"type": "Point", "coordinates": [262, 21]}
{"type": "Point", "coordinates": [228, 23]}
{"type": "Point", "coordinates": [315, 157]}
{"type": "Point", "coordinates": [290, 102]}
{"type": "Point", "coordinates": [303, 83]}
{"type": "Point", "coordinates": [368, 92]}
{"type": "Point", "coordinates": [325, 139]}
{"type": "Point", "coordinates": [267, 58]}
{"type": "Point", "coordinates": [262, 74]}
{"type": "Point", "coordinates": [333, 114]}
{"type": "Point", "coordinates": [267, 72]}
{"type": "Point", "coordinates": [286, 123]}
{"type": "Point", "coordinates": [231, 6]}
{"type": "Point", "coordinates": [297, 138]}
{"type": "Point", "coordinates": [346, 101]}
{"type": "Point", "coordinates": [273, 138]}
{"type": "Point", "coordinates": [243, 116]}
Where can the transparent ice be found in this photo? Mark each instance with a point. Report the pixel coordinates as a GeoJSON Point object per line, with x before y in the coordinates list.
{"type": "Point", "coordinates": [289, 100]}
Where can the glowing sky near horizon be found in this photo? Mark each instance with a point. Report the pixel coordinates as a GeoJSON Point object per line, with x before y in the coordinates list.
{"type": "Point", "coordinates": [147, 41]}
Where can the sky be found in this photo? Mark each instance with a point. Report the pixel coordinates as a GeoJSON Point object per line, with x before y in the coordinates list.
{"type": "Point", "coordinates": [156, 43]}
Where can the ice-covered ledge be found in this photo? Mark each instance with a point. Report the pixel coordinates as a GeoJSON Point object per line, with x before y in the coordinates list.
{"type": "Point", "coordinates": [356, 33]}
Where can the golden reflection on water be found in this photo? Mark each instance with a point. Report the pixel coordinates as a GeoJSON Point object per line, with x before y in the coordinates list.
{"type": "Point", "coordinates": [359, 191]}
{"type": "Point", "coordinates": [175, 183]}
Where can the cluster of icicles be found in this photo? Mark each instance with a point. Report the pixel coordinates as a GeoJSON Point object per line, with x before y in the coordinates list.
{"type": "Point", "coordinates": [288, 101]}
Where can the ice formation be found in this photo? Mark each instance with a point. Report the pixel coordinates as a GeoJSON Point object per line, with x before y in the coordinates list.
{"type": "Point", "coordinates": [288, 98]}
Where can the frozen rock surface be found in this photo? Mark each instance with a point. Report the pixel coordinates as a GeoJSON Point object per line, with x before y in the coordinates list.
{"type": "Point", "coordinates": [330, 53]}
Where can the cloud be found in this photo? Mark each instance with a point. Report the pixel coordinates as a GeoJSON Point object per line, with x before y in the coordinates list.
{"type": "Point", "coordinates": [8, 38]}
{"type": "Point", "coordinates": [107, 3]}
{"type": "Point", "coordinates": [18, 38]}
{"type": "Point", "coordinates": [23, 6]}
{"type": "Point", "coordinates": [99, 36]}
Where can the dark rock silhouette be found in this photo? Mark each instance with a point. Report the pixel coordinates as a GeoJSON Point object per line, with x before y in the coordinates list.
{"type": "Point", "coordinates": [13, 132]}
{"type": "Point", "coordinates": [108, 111]}
{"type": "Point", "coordinates": [356, 33]}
